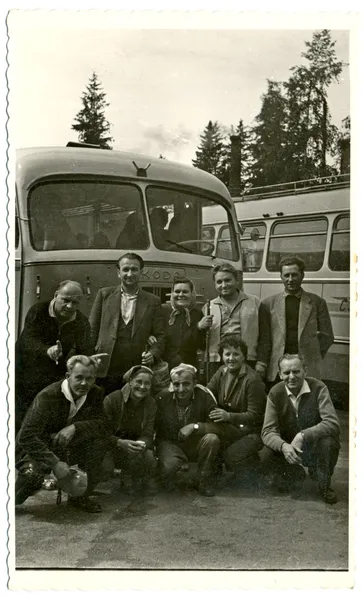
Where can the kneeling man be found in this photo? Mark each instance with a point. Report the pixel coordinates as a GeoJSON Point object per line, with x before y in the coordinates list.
{"type": "Point", "coordinates": [63, 426]}
{"type": "Point", "coordinates": [301, 428]}
{"type": "Point", "coordinates": [181, 429]}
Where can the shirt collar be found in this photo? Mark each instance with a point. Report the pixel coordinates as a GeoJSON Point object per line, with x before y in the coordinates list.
{"type": "Point", "coordinates": [298, 295]}
{"type": "Point", "coordinates": [241, 296]}
{"type": "Point", "coordinates": [123, 293]}
{"type": "Point", "coordinates": [191, 401]}
{"type": "Point", "coordinates": [65, 387]}
{"type": "Point", "coordinates": [52, 312]}
{"type": "Point", "coordinates": [305, 389]}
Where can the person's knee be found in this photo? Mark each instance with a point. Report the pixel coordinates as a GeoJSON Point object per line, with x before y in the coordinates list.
{"type": "Point", "coordinates": [169, 465]}
{"type": "Point", "coordinates": [211, 440]}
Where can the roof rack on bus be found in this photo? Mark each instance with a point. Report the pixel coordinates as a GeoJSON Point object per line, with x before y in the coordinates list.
{"type": "Point", "coordinates": [82, 145]}
{"type": "Point", "coordinates": [290, 188]}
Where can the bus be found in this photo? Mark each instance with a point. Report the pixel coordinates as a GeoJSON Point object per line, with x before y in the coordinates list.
{"type": "Point", "coordinates": [309, 218]}
{"type": "Point", "coordinates": [78, 209]}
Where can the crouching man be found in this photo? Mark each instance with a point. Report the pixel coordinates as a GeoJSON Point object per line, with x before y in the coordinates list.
{"type": "Point", "coordinates": [182, 414]}
{"type": "Point", "coordinates": [63, 426]}
{"type": "Point", "coordinates": [130, 413]}
{"type": "Point", "coordinates": [300, 428]}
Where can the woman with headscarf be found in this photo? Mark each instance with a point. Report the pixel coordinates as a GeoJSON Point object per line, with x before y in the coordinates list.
{"type": "Point", "coordinates": [131, 414]}
{"type": "Point", "coordinates": [183, 338]}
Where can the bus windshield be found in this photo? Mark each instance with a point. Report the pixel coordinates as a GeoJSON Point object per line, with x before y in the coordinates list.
{"type": "Point", "coordinates": [66, 215]}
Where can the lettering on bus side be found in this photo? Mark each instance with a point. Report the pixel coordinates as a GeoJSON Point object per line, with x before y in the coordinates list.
{"type": "Point", "coordinates": [153, 274]}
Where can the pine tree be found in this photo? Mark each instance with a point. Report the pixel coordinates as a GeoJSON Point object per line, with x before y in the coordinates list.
{"type": "Point", "coordinates": [268, 138]}
{"type": "Point", "coordinates": [246, 154]}
{"type": "Point", "coordinates": [90, 121]}
{"type": "Point", "coordinates": [311, 135]}
{"type": "Point", "coordinates": [212, 153]}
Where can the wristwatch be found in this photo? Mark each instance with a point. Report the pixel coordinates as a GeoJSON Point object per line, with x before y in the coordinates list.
{"type": "Point", "coordinates": [196, 426]}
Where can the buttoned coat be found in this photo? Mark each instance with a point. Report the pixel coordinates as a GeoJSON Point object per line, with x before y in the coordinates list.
{"type": "Point", "coordinates": [106, 314]}
{"type": "Point", "coordinates": [315, 334]}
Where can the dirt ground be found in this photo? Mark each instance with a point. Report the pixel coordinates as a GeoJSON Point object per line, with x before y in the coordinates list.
{"type": "Point", "coordinates": [245, 526]}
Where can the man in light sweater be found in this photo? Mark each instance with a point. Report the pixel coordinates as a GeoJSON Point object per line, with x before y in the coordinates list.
{"type": "Point", "coordinates": [300, 428]}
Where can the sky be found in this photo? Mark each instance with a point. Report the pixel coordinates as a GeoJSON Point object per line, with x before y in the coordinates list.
{"type": "Point", "coordinates": [163, 85]}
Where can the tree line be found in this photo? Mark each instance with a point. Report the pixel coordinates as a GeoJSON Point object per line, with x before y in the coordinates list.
{"type": "Point", "coordinates": [291, 138]}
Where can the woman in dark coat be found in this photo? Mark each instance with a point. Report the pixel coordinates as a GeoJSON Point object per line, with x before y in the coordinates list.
{"type": "Point", "coordinates": [183, 338]}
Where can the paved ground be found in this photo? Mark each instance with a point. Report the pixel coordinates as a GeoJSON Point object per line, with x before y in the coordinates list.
{"type": "Point", "coordinates": [242, 527]}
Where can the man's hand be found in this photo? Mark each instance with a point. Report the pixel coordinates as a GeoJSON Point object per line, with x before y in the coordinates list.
{"type": "Point", "coordinates": [55, 352]}
{"type": "Point", "coordinates": [152, 340]}
{"type": "Point", "coordinates": [297, 442]}
{"type": "Point", "coordinates": [291, 454]}
{"type": "Point", "coordinates": [61, 470]}
{"type": "Point", "coordinates": [186, 431]}
{"type": "Point", "coordinates": [219, 415]}
{"type": "Point", "coordinates": [205, 323]}
{"type": "Point", "coordinates": [64, 436]}
{"type": "Point", "coordinates": [260, 369]}
{"type": "Point", "coordinates": [130, 446]}
{"type": "Point", "coordinates": [147, 359]}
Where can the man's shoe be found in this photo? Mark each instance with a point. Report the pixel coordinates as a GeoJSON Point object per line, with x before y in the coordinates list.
{"type": "Point", "coordinates": [205, 490]}
{"type": "Point", "coordinates": [85, 503]}
{"type": "Point", "coordinates": [328, 495]}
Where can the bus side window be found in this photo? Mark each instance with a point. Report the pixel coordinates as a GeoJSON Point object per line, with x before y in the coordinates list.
{"type": "Point", "coordinates": [339, 257]}
{"type": "Point", "coordinates": [252, 245]}
{"type": "Point", "coordinates": [306, 238]}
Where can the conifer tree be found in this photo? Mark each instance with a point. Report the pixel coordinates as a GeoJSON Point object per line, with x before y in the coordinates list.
{"type": "Point", "coordinates": [211, 154]}
{"type": "Point", "coordinates": [90, 122]}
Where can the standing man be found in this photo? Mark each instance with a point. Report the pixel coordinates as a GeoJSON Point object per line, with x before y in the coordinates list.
{"type": "Point", "coordinates": [299, 321]}
{"type": "Point", "coordinates": [53, 331]}
{"type": "Point", "coordinates": [300, 428]}
{"type": "Point", "coordinates": [182, 429]}
{"type": "Point", "coordinates": [64, 426]}
{"type": "Point", "coordinates": [234, 312]}
{"type": "Point", "coordinates": [122, 319]}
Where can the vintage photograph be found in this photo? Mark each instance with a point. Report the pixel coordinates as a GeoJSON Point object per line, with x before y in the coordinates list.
{"type": "Point", "coordinates": [180, 297]}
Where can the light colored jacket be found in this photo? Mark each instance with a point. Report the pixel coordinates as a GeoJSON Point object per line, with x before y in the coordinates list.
{"type": "Point", "coordinates": [249, 326]}
{"type": "Point", "coordinates": [315, 334]}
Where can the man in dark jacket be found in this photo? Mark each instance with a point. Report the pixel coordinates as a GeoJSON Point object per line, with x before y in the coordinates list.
{"type": "Point", "coordinates": [300, 428]}
{"type": "Point", "coordinates": [122, 319]}
{"type": "Point", "coordinates": [53, 331]}
{"type": "Point", "coordinates": [182, 415]}
{"type": "Point", "coordinates": [64, 426]}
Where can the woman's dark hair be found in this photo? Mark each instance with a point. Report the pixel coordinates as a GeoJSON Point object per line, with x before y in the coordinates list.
{"type": "Point", "coordinates": [234, 341]}
{"type": "Point", "coordinates": [183, 280]}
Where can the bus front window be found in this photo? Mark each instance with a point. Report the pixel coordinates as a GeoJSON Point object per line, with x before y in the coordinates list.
{"type": "Point", "coordinates": [179, 222]}
{"type": "Point", "coordinates": [68, 215]}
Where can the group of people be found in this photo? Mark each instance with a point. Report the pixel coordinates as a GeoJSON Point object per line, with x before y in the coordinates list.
{"type": "Point", "coordinates": [86, 388]}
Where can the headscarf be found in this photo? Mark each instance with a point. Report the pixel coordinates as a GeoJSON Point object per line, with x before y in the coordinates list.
{"type": "Point", "coordinates": [129, 374]}
{"type": "Point", "coordinates": [177, 310]}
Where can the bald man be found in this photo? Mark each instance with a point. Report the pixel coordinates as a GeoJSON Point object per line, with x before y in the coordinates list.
{"type": "Point", "coordinates": [53, 331]}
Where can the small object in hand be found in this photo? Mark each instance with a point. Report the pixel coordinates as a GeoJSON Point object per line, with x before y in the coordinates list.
{"type": "Point", "coordinates": [141, 443]}
{"type": "Point", "coordinates": [49, 483]}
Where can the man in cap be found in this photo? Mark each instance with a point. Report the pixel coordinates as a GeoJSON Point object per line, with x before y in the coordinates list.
{"type": "Point", "coordinates": [63, 426]}
{"type": "Point", "coordinates": [53, 331]}
{"type": "Point", "coordinates": [122, 319]}
{"type": "Point", "coordinates": [181, 429]}
{"type": "Point", "coordinates": [300, 428]}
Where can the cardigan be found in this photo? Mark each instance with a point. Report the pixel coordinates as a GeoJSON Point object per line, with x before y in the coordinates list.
{"type": "Point", "coordinates": [316, 416]}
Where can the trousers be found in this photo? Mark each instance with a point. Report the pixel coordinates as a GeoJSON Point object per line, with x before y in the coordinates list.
{"type": "Point", "coordinates": [172, 455]}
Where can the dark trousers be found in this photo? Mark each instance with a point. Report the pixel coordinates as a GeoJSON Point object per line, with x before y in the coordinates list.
{"type": "Point", "coordinates": [243, 452]}
{"type": "Point", "coordinates": [87, 453]}
{"type": "Point", "coordinates": [140, 467]}
{"type": "Point", "coordinates": [320, 457]}
{"type": "Point", "coordinates": [172, 455]}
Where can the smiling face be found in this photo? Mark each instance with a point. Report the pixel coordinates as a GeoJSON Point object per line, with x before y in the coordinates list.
{"type": "Point", "coordinates": [293, 373]}
{"type": "Point", "coordinates": [183, 385]}
{"type": "Point", "coordinates": [233, 358]}
{"type": "Point", "coordinates": [81, 379]}
{"type": "Point", "coordinates": [129, 273]}
{"type": "Point", "coordinates": [181, 294]}
{"type": "Point", "coordinates": [225, 284]}
{"type": "Point", "coordinates": [292, 278]}
{"type": "Point", "coordinates": [67, 300]}
{"type": "Point", "coordinates": [140, 386]}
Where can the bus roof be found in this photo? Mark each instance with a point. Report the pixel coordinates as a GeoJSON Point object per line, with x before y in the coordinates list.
{"type": "Point", "coordinates": [36, 163]}
{"type": "Point", "coordinates": [284, 206]}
